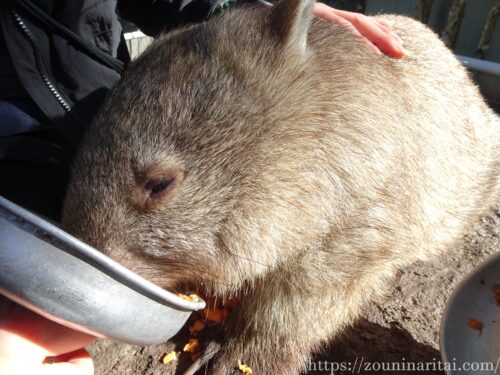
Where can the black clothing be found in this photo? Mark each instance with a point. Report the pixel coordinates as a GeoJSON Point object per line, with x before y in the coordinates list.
{"type": "Point", "coordinates": [10, 86]}
{"type": "Point", "coordinates": [67, 84]}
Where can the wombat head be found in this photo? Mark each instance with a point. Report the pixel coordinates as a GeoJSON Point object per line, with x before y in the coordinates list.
{"type": "Point", "coordinates": [199, 167]}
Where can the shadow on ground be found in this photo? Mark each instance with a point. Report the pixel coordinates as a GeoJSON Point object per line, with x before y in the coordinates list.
{"type": "Point", "coordinates": [370, 348]}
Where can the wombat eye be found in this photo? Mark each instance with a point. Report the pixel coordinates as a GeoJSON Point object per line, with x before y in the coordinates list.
{"type": "Point", "coordinates": [156, 185]}
{"type": "Point", "coordinates": [157, 188]}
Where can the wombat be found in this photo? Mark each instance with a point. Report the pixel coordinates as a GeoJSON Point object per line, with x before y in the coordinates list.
{"type": "Point", "coordinates": [273, 157]}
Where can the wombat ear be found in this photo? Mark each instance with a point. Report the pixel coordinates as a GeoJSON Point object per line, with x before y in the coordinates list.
{"type": "Point", "coordinates": [290, 20]}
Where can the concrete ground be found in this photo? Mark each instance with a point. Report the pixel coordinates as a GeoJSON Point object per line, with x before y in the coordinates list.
{"type": "Point", "coordinates": [404, 326]}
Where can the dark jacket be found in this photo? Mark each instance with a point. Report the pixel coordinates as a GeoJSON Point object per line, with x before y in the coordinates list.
{"type": "Point", "coordinates": [66, 83]}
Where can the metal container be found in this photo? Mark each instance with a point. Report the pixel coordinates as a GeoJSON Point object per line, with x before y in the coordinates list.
{"type": "Point", "coordinates": [463, 349]}
{"type": "Point", "coordinates": [51, 272]}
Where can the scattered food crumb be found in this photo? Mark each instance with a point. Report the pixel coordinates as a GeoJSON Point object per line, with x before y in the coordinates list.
{"type": "Point", "coordinates": [244, 368]}
{"type": "Point", "coordinates": [475, 324]}
{"type": "Point", "coordinates": [482, 281]}
{"type": "Point", "coordinates": [191, 346]}
{"type": "Point", "coordinates": [169, 357]}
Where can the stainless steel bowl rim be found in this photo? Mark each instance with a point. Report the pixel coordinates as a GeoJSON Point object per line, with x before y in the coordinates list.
{"type": "Point", "coordinates": [133, 280]}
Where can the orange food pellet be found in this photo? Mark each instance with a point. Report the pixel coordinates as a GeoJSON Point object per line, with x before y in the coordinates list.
{"type": "Point", "coordinates": [190, 298]}
{"type": "Point", "coordinates": [196, 327]}
{"type": "Point", "coordinates": [244, 368]}
{"type": "Point", "coordinates": [191, 346]}
{"type": "Point", "coordinates": [215, 315]}
{"type": "Point", "coordinates": [169, 357]}
{"type": "Point", "coordinates": [475, 324]}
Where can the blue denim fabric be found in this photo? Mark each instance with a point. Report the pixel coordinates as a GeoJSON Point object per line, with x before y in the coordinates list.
{"type": "Point", "coordinates": [15, 118]}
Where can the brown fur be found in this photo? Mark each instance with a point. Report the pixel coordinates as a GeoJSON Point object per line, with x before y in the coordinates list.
{"type": "Point", "coordinates": [311, 170]}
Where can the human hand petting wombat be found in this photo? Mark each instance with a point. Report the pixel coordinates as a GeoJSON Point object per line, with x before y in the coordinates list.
{"type": "Point", "coordinates": [268, 156]}
{"type": "Point", "coordinates": [375, 32]}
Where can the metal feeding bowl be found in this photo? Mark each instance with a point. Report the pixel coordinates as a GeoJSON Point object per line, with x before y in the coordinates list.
{"type": "Point", "coordinates": [470, 329]}
{"type": "Point", "coordinates": [54, 274]}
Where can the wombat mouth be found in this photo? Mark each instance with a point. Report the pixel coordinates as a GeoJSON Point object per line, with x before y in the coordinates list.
{"type": "Point", "coordinates": [206, 327]}
{"type": "Point", "coordinates": [208, 291]}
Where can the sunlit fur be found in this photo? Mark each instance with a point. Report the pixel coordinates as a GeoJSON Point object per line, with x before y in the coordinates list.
{"type": "Point", "coordinates": [312, 171]}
